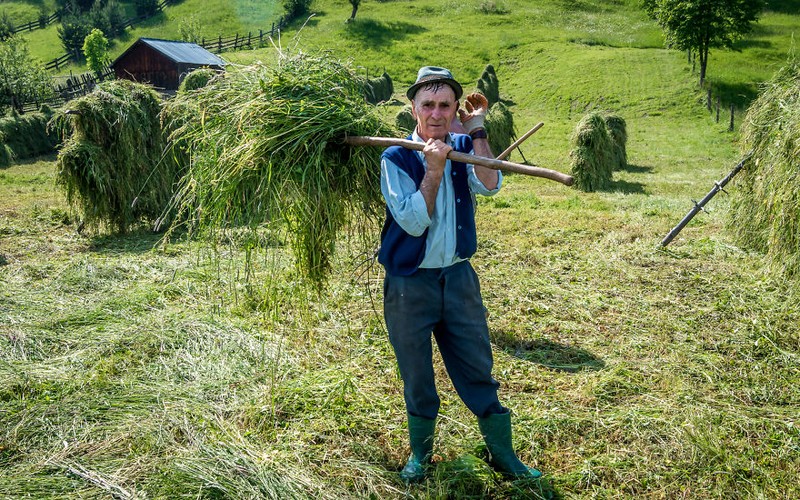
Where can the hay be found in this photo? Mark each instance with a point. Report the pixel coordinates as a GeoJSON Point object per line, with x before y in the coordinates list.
{"type": "Point", "coordinates": [196, 79]}
{"type": "Point", "coordinates": [489, 86]}
{"type": "Point", "coordinates": [765, 207]}
{"type": "Point", "coordinates": [380, 89]}
{"type": "Point", "coordinates": [591, 154]}
{"type": "Point", "coordinates": [616, 127]}
{"type": "Point", "coordinates": [500, 127]}
{"type": "Point", "coordinates": [404, 120]}
{"type": "Point", "coordinates": [266, 153]}
{"type": "Point", "coordinates": [109, 163]}
{"type": "Point", "coordinates": [25, 136]}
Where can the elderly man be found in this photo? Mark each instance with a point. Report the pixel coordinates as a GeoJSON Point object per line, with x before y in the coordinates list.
{"type": "Point", "coordinates": [430, 287]}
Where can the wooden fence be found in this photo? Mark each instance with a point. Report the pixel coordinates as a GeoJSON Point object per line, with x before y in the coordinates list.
{"type": "Point", "coordinates": [40, 23]}
{"type": "Point", "coordinates": [239, 42]}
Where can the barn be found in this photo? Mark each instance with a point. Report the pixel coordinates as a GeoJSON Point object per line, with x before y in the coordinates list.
{"type": "Point", "coordinates": [163, 63]}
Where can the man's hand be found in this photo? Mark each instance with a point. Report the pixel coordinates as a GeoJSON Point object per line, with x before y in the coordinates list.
{"type": "Point", "coordinates": [436, 153]}
{"type": "Point", "coordinates": [473, 117]}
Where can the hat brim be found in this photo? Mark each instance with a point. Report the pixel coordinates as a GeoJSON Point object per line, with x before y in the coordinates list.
{"type": "Point", "coordinates": [412, 90]}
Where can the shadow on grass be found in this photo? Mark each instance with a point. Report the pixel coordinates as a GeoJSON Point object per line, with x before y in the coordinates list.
{"type": "Point", "coordinates": [637, 169]}
{"type": "Point", "coordinates": [136, 241]}
{"type": "Point", "coordinates": [555, 356]}
{"type": "Point", "coordinates": [626, 187]}
{"type": "Point", "coordinates": [378, 34]}
{"type": "Point", "coordinates": [740, 94]}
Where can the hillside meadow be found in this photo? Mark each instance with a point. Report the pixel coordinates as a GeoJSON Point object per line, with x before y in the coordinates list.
{"type": "Point", "coordinates": [133, 369]}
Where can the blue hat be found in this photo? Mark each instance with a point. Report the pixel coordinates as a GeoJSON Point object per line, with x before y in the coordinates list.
{"type": "Point", "coordinates": [433, 74]}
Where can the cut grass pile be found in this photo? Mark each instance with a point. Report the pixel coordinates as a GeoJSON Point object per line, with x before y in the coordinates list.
{"type": "Point", "coordinates": [26, 136]}
{"type": "Point", "coordinates": [110, 163]}
{"type": "Point", "coordinates": [765, 215]}
{"type": "Point", "coordinates": [591, 156]}
{"type": "Point", "coordinates": [266, 153]}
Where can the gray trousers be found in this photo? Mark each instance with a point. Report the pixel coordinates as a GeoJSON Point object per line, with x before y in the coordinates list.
{"type": "Point", "coordinates": [447, 304]}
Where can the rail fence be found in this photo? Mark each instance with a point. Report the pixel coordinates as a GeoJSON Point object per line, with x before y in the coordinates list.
{"type": "Point", "coordinates": [40, 23]}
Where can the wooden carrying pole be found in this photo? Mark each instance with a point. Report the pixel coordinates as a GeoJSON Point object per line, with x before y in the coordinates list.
{"type": "Point", "coordinates": [519, 141]}
{"type": "Point", "coordinates": [465, 158]}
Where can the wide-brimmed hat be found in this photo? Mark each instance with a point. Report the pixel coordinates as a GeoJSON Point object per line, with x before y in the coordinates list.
{"type": "Point", "coordinates": [433, 74]}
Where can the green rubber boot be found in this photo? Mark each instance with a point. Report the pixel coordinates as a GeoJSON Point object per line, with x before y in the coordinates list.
{"type": "Point", "coordinates": [420, 433]}
{"type": "Point", "coordinates": [496, 431]}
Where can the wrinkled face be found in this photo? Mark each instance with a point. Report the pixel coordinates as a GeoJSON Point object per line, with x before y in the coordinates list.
{"type": "Point", "coordinates": [434, 107]}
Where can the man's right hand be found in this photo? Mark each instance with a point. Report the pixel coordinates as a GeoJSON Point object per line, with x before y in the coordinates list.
{"type": "Point", "coordinates": [436, 153]}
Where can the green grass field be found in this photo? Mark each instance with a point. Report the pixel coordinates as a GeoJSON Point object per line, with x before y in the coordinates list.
{"type": "Point", "coordinates": [131, 370]}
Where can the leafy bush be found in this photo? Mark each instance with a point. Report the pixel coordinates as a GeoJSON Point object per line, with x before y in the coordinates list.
{"type": "Point", "coordinates": [296, 8]}
{"type": "Point", "coordinates": [73, 31]}
{"type": "Point", "coordinates": [6, 26]}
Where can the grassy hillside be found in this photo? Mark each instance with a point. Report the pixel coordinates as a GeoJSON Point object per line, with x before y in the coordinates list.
{"type": "Point", "coordinates": [128, 370]}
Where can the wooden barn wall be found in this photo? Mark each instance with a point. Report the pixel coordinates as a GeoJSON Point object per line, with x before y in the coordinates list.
{"type": "Point", "coordinates": [145, 65]}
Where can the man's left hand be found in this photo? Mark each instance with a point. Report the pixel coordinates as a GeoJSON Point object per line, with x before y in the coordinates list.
{"type": "Point", "coordinates": [473, 117]}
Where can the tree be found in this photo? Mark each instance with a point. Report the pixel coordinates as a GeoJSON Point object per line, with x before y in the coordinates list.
{"type": "Point", "coordinates": [355, 4]}
{"type": "Point", "coordinates": [698, 25]}
{"type": "Point", "coordinates": [189, 29]}
{"type": "Point", "coordinates": [73, 31]}
{"type": "Point", "coordinates": [21, 78]}
{"type": "Point", "coordinates": [95, 49]}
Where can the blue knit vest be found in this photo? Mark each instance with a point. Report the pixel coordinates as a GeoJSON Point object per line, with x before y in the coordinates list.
{"type": "Point", "coordinates": [401, 253]}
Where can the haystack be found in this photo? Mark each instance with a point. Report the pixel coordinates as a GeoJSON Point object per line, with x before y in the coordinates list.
{"type": "Point", "coordinates": [617, 131]}
{"type": "Point", "coordinates": [109, 165]}
{"type": "Point", "coordinates": [404, 120]}
{"type": "Point", "coordinates": [591, 156]}
{"type": "Point", "coordinates": [765, 213]}
{"type": "Point", "coordinates": [266, 154]}
{"type": "Point", "coordinates": [380, 89]}
{"type": "Point", "coordinates": [500, 127]}
{"type": "Point", "coordinates": [26, 136]}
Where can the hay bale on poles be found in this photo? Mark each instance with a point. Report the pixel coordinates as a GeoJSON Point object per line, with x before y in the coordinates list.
{"type": "Point", "coordinates": [500, 127]}
{"type": "Point", "coordinates": [765, 206]}
{"type": "Point", "coordinates": [619, 137]}
{"type": "Point", "coordinates": [267, 155]}
{"type": "Point", "coordinates": [404, 120]}
{"type": "Point", "coordinates": [109, 165]}
{"type": "Point", "coordinates": [26, 136]}
{"type": "Point", "coordinates": [378, 89]}
{"type": "Point", "coordinates": [591, 154]}
{"type": "Point", "coordinates": [489, 86]}
{"type": "Point", "coordinates": [196, 79]}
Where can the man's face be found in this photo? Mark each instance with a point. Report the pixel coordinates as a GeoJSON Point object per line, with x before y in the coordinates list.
{"type": "Point", "coordinates": [434, 108]}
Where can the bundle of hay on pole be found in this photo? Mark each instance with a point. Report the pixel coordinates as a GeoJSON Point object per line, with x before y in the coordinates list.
{"type": "Point", "coordinates": [267, 154]}
{"type": "Point", "coordinates": [109, 164]}
{"type": "Point", "coordinates": [404, 120]}
{"type": "Point", "coordinates": [380, 89]}
{"type": "Point", "coordinates": [591, 154]}
{"type": "Point", "coordinates": [489, 86]}
{"type": "Point", "coordinates": [765, 207]}
{"type": "Point", "coordinates": [196, 79]}
{"type": "Point", "coordinates": [26, 136]}
{"type": "Point", "coordinates": [500, 127]}
{"type": "Point", "coordinates": [617, 130]}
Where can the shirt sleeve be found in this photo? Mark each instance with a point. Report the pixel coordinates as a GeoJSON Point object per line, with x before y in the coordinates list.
{"type": "Point", "coordinates": [405, 201]}
{"type": "Point", "coordinates": [475, 184]}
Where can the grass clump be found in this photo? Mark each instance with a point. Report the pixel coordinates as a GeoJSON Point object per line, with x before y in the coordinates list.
{"type": "Point", "coordinates": [617, 131]}
{"type": "Point", "coordinates": [500, 127]}
{"type": "Point", "coordinates": [25, 136]}
{"type": "Point", "coordinates": [266, 153]}
{"type": "Point", "coordinates": [109, 165]}
{"type": "Point", "coordinates": [591, 154]}
{"type": "Point", "coordinates": [765, 213]}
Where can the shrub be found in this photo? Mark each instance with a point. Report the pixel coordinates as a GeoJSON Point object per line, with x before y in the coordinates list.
{"type": "Point", "coordinates": [765, 206]}
{"type": "Point", "coordinates": [591, 154]}
{"type": "Point", "coordinates": [109, 165]}
{"type": "Point", "coordinates": [73, 31]}
{"type": "Point", "coordinates": [6, 26]}
{"type": "Point", "coordinates": [296, 8]}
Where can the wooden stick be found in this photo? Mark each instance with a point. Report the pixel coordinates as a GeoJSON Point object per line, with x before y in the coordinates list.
{"type": "Point", "coordinates": [508, 166]}
{"type": "Point", "coordinates": [519, 141]}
